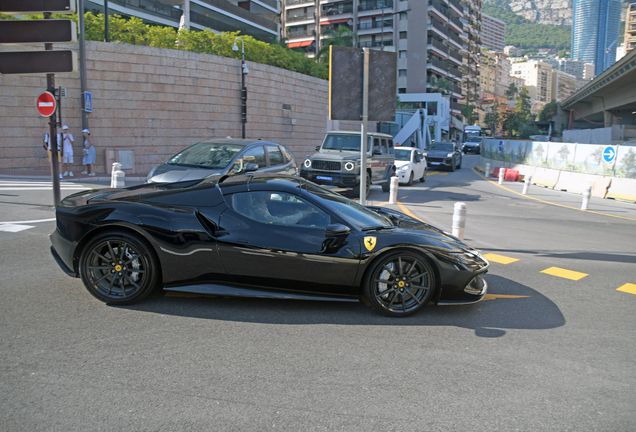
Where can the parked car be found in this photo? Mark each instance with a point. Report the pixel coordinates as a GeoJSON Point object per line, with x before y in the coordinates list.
{"type": "Point", "coordinates": [410, 164]}
{"type": "Point", "coordinates": [275, 236]}
{"type": "Point", "coordinates": [443, 154]}
{"type": "Point", "coordinates": [224, 157]}
{"type": "Point", "coordinates": [473, 144]}
{"type": "Point", "coordinates": [337, 162]}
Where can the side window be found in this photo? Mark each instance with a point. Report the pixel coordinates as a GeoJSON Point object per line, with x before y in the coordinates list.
{"type": "Point", "coordinates": [279, 208]}
{"type": "Point", "coordinates": [274, 155]}
{"type": "Point", "coordinates": [255, 155]}
{"type": "Point", "coordinates": [390, 144]}
{"type": "Point", "coordinates": [376, 144]}
{"type": "Point", "coordinates": [287, 156]}
{"type": "Point", "coordinates": [385, 148]}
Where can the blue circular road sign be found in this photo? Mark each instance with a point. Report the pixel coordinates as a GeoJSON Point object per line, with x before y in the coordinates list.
{"type": "Point", "coordinates": [609, 154]}
{"type": "Point", "coordinates": [500, 146]}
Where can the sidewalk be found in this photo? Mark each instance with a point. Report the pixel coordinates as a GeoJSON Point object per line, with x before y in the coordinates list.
{"type": "Point", "coordinates": [44, 175]}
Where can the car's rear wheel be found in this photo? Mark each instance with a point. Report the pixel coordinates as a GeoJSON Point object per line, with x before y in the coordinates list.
{"type": "Point", "coordinates": [459, 166]}
{"type": "Point", "coordinates": [118, 268]}
{"type": "Point", "coordinates": [423, 178]}
{"type": "Point", "coordinates": [399, 283]}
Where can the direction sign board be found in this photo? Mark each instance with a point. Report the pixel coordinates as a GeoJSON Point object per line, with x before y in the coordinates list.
{"type": "Point", "coordinates": [44, 62]}
{"type": "Point", "coordinates": [609, 154]}
{"type": "Point", "coordinates": [500, 146]}
{"type": "Point", "coordinates": [46, 104]}
{"type": "Point", "coordinates": [88, 102]}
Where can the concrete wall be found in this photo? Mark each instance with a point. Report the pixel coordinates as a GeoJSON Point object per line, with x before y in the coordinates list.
{"type": "Point", "coordinates": [158, 101]}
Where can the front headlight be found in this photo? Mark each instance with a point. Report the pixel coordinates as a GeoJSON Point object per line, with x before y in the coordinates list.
{"type": "Point", "coordinates": [449, 155]}
{"type": "Point", "coordinates": [307, 163]}
{"type": "Point", "coordinates": [349, 166]}
{"type": "Point", "coordinates": [404, 168]}
{"type": "Point", "coordinates": [150, 174]}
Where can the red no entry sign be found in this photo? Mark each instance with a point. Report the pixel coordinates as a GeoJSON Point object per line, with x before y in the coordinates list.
{"type": "Point", "coordinates": [46, 104]}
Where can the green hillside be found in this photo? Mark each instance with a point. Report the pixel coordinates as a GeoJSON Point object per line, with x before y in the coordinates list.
{"type": "Point", "coordinates": [528, 35]}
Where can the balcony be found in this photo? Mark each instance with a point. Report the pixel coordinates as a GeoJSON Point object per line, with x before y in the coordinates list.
{"type": "Point", "coordinates": [225, 6]}
{"type": "Point", "coordinates": [453, 37]}
{"type": "Point", "coordinates": [300, 17]}
{"type": "Point", "coordinates": [375, 44]}
{"type": "Point", "coordinates": [457, 5]}
{"type": "Point", "coordinates": [438, 44]}
{"type": "Point", "coordinates": [457, 22]}
{"type": "Point", "coordinates": [338, 9]}
{"type": "Point", "coordinates": [438, 26]}
{"type": "Point", "coordinates": [374, 5]}
{"type": "Point", "coordinates": [298, 2]}
{"type": "Point", "coordinates": [153, 7]}
{"type": "Point", "coordinates": [438, 9]}
{"type": "Point", "coordinates": [374, 25]}
{"type": "Point", "coordinates": [455, 55]}
{"type": "Point", "coordinates": [295, 34]}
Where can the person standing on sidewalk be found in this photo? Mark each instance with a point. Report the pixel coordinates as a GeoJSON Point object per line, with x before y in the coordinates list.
{"type": "Point", "coordinates": [89, 154]}
{"type": "Point", "coordinates": [47, 147]}
{"type": "Point", "coordinates": [67, 151]}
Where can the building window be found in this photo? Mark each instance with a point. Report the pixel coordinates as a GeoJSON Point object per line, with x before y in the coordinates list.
{"type": "Point", "coordinates": [402, 54]}
{"type": "Point", "coordinates": [402, 35]}
{"type": "Point", "coordinates": [402, 72]}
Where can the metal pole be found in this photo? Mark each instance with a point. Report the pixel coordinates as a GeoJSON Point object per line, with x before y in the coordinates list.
{"type": "Point", "coordinates": [365, 125]}
{"type": "Point", "coordinates": [106, 35]}
{"type": "Point", "coordinates": [55, 162]}
{"type": "Point", "coordinates": [82, 59]}
{"type": "Point", "coordinates": [382, 39]}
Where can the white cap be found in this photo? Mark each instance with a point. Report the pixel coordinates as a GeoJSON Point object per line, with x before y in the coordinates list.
{"type": "Point", "coordinates": [64, 127]}
{"type": "Point", "coordinates": [86, 130]}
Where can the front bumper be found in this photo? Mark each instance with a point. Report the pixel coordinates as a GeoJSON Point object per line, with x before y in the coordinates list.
{"type": "Point", "coordinates": [440, 162]}
{"type": "Point", "coordinates": [62, 251]}
{"type": "Point", "coordinates": [471, 148]}
{"type": "Point", "coordinates": [329, 178]}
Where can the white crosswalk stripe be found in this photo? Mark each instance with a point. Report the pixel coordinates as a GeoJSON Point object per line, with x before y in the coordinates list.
{"type": "Point", "coordinates": [38, 185]}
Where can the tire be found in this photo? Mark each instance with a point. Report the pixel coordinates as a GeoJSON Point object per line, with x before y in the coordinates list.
{"type": "Point", "coordinates": [423, 178]}
{"type": "Point", "coordinates": [399, 283]}
{"type": "Point", "coordinates": [386, 186]}
{"type": "Point", "coordinates": [356, 191]}
{"type": "Point", "coordinates": [410, 182]}
{"type": "Point", "coordinates": [452, 168]}
{"type": "Point", "coordinates": [128, 278]}
{"type": "Point", "coordinates": [460, 164]}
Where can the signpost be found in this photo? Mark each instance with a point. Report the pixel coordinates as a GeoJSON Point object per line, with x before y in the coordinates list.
{"type": "Point", "coordinates": [88, 102]}
{"type": "Point", "coordinates": [46, 104]}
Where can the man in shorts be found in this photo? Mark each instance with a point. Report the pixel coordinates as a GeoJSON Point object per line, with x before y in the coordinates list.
{"type": "Point", "coordinates": [67, 151]}
{"type": "Point", "coordinates": [47, 146]}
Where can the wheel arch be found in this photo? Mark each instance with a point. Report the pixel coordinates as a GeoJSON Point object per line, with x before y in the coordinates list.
{"type": "Point", "coordinates": [428, 257]}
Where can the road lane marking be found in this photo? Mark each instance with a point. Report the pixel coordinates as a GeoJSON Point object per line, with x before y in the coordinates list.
{"type": "Point", "coordinates": [628, 288]}
{"type": "Point", "coordinates": [500, 258]}
{"type": "Point", "coordinates": [28, 221]}
{"type": "Point", "coordinates": [563, 273]}
{"type": "Point", "coordinates": [436, 172]}
{"type": "Point", "coordinates": [8, 227]}
{"type": "Point", "coordinates": [551, 203]}
{"type": "Point", "coordinates": [503, 296]}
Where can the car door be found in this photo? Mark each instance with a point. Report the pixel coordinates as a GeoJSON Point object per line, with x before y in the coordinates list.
{"type": "Point", "coordinates": [275, 159]}
{"type": "Point", "coordinates": [418, 164]}
{"type": "Point", "coordinates": [285, 254]}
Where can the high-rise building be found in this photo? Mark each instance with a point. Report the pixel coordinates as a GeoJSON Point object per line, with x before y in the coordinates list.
{"type": "Point", "coordinates": [630, 28]}
{"type": "Point", "coordinates": [258, 19]}
{"type": "Point", "coordinates": [471, 37]}
{"type": "Point", "coordinates": [537, 77]}
{"type": "Point", "coordinates": [493, 33]}
{"type": "Point", "coordinates": [425, 52]}
{"type": "Point", "coordinates": [563, 85]}
{"type": "Point", "coordinates": [595, 25]}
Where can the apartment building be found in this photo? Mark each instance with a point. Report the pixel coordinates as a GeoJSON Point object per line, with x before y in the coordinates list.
{"type": "Point", "coordinates": [471, 37]}
{"type": "Point", "coordinates": [258, 18]}
{"type": "Point", "coordinates": [424, 52]}
{"type": "Point", "coordinates": [630, 28]}
{"type": "Point", "coordinates": [563, 85]}
{"type": "Point", "coordinates": [493, 33]}
{"type": "Point", "coordinates": [494, 71]}
{"type": "Point", "coordinates": [537, 77]}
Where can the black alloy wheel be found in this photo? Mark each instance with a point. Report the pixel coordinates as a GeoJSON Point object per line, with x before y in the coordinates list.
{"type": "Point", "coordinates": [399, 284]}
{"type": "Point", "coordinates": [118, 268]}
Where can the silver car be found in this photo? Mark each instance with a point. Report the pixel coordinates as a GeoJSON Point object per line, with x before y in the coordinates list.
{"type": "Point", "coordinates": [224, 157]}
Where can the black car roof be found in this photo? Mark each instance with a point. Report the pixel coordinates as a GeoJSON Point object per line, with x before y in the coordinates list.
{"type": "Point", "coordinates": [280, 182]}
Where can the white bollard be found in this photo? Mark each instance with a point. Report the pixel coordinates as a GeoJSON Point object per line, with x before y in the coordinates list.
{"type": "Point", "coordinates": [116, 167]}
{"type": "Point", "coordinates": [488, 170]}
{"type": "Point", "coordinates": [586, 197]}
{"type": "Point", "coordinates": [526, 185]}
{"type": "Point", "coordinates": [502, 174]}
{"type": "Point", "coordinates": [119, 179]}
{"type": "Point", "coordinates": [393, 191]}
{"type": "Point", "coordinates": [459, 220]}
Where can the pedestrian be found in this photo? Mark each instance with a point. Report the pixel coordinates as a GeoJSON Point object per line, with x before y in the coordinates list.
{"type": "Point", "coordinates": [89, 154]}
{"type": "Point", "coordinates": [67, 151]}
{"type": "Point", "coordinates": [47, 147]}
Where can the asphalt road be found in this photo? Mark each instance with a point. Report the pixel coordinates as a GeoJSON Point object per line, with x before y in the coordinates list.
{"type": "Point", "coordinates": [544, 352]}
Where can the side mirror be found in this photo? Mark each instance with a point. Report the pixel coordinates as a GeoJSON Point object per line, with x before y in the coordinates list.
{"type": "Point", "coordinates": [250, 167]}
{"type": "Point", "coordinates": [317, 148]}
{"type": "Point", "coordinates": [336, 230]}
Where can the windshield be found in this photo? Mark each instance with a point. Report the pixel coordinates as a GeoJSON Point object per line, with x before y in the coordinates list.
{"type": "Point", "coordinates": [353, 213]}
{"type": "Point", "coordinates": [207, 155]}
{"type": "Point", "coordinates": [344, 142]}
{"type": "Point", "coordinates": [474, 139]}
{"type": "Point", "coordinates": [447, 147]}
{"type": "Point", "coordinates": [402, 155]}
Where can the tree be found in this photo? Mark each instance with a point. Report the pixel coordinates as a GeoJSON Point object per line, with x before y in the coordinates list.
{"type": "Point", "coordinates": [523, 106]}
{"type": "Point", "coordinates": [512, 91]}
{"type": "Point", "coordinates": [510, 123]}
{"type": "Point", "coordinates": [343, 36]}
{"type": "Point", "coordinates": [548, 111]}
{"type": "Point", "coordinates": [468, 111]}
{"type": "Point", "coordinates": [441, 85]}
{"type": "Point", "coordinates": [492, 118]}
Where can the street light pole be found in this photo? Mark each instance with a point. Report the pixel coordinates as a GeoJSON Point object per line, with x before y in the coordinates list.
{"type": "Point", "coordinates": [244, 71]}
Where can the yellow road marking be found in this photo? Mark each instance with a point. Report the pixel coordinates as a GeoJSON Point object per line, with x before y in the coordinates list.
{"type": "Point", "coordinates": [500, 258]}
{"type": "Point", "coordinates": [436, 172]}
{"type": "Point", "coordinates": [551, 203]}
{"type": "Point", "coordinates": [563, 273]}
{"type": "Point", "coordinates": [498, 296]}
{"type": "Point", "coordinates": [628, 288]}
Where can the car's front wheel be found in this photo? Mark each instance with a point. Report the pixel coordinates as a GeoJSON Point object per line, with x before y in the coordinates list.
{"type": "Point", "coordinates": [410, 182]}
{"type": "Point", "coordinates": [399, 283]}
{"type": "Point", "coordinates": [118, 268]}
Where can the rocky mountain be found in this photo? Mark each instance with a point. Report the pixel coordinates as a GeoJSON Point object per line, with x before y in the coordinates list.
{"type": "Point", "coordinates": [552, 12]}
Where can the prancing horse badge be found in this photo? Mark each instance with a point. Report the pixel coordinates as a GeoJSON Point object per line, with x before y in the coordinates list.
{"type": "Point", "coordinates": [369, 243]}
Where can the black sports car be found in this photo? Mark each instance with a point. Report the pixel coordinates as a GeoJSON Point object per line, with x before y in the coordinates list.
{"type": "Point", "coordinates": [259, 236]}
